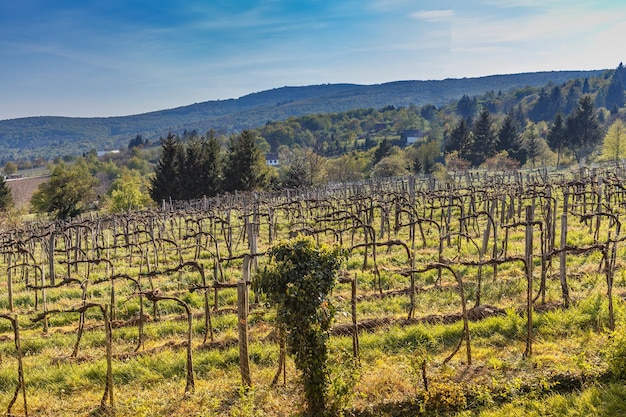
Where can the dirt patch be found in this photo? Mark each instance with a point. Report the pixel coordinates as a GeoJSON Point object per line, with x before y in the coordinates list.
{"type": "Point", "coordinates": [22, 189]}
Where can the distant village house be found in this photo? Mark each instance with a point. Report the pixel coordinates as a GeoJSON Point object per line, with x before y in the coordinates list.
{"type": "Point", "coordinates": [271, 159]}
{"type": "Point", "coordinates": [410, 136]}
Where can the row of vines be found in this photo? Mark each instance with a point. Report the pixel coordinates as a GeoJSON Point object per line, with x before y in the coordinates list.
{"type": "Point", "coordinates": [194, 260]}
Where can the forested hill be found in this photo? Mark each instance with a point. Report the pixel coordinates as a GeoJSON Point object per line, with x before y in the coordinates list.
{"type": "Point", "coordinates": [55, 136]}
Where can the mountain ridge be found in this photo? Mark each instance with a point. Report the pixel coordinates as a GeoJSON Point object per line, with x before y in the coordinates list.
{"type": "Point", "coordinates": [30, 136]}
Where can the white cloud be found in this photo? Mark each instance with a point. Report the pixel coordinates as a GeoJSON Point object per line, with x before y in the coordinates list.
{"type": "Point", "coordinates": [433, 15]}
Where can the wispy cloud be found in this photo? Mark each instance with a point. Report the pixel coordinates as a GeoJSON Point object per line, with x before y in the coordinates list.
{"type": "Point", "coordinates": [433, 15]}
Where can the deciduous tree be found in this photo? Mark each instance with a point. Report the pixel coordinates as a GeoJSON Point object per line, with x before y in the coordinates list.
{"type": "Point", "coordinates": [68, 193]}
{"type": "Point", "coordinates": [614, 145]}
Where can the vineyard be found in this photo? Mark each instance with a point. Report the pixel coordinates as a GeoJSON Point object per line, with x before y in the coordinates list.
{"type": "Point", "coordinates": [458, 295]}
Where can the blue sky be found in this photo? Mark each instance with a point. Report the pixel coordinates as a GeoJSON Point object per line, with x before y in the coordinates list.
{"type": "Point", "coordinates": [119, 57]}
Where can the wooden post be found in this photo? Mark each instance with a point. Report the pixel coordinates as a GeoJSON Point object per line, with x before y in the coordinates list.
{"type": "Point", "coordinates": [108, 392]}
{"type": "Point", "coordinates": [215, 289]}
{"type": "Point", "coordinates": [563, 254]}
{"type": "Point", "coordinates": [355, 328]}
{"type": "Point", "coordinates": [10, 281]}
{"type": "Point", "coordinates": [242, 313]}
{"type": "Point", "coordinates": [51, 259]}
{"type": "Point", "coordinates": [44, 299]}
{"type": "Point", "coordinates": [529, 278]}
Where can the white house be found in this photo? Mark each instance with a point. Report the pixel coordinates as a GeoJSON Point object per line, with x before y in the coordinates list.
{"type": "Point", "coordinates": [271, 159]}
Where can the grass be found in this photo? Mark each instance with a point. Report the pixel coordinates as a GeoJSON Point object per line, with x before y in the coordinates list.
{"type": "Point", "coordinates": [574, 368]}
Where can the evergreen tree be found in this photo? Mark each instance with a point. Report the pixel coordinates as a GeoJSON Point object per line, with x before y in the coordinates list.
{"type": "Point", "coordinates": [383, 150]}
{"type": "Point", "coordinates": [583, 129]}
{"type": "Point", "coordinates": [557, 137]}
{"type": "Point", "coordinates": [138, 141]}
{"type": "Point", "coordinates": [621, 72]}
{"type": "Point", "coordinates": [6, 199]}
{"type": "Point", "coordinates": [571, 100]}
{"type": "Point", "coordinates": [483, 144]}
{"type": "Point", "coordinates": [466, 107]}
{"type": "Point", "coordinates": [190, 160]}
{"type": "Point", "coordinates": [541, 109]}
{"type": "Point", "coordinates": [244, 165]}
{"type": "Point", "coordinates": [165, 183]}
{"type": "Point", "coordinates": [586, 89]}
{"type": "Point", "coordinates": [615, 92]}
{"type": "Point", "coordinates": [507, 135]}
{"type": "Point", "coordinates": [459, 139]}
{"type": "Point", "coordinates": [509, 140]}
{"type": "Point", "coordinates": [210, 171]}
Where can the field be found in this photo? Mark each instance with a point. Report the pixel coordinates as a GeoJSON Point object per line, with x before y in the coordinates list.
{"type": "Point", "coordinates": [22, 189]}
{"type": "Point", "coordinates": [487, 295]}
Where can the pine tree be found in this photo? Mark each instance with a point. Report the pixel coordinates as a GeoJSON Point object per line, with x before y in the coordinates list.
{"type": "Point", "coordinates": [583, 129]}
{"type": "Point", "coordinates": [211, 168]}
{"type": "Point", "coordinates": [615, 92]}
{"type": "Point", "coordinates": [557, 137]}
{"type": "Point", "coordinates": [459, 139]}
{"type": "Point", "coordinates": [383, 150]}
{"type": "Point", "coordinates": [466, 107]}
{"type": "Point", "coordinates": [483, 144]}
{"type": "Point", "coordinates": [244, 165]}
{"type": "Point", "coordinates": [509, 140]}
{"type": "Point", "coordinates": [6, 199]}
{"type": "Point", "coordinates": [165, 184]}
{"type": "Point", "coordinates": [507, 135]}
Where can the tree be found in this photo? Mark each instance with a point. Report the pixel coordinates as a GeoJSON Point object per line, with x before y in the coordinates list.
{"type": "Point", "coordinates": [583, 129]}
{"type": "Point", "coordinates": [244, 165]}
{"type": "Point", "coordinates": [137, 142]}
{"type": "Point", "coordinates": [383, 150]}
{"type": "Point", "coordinates": [391, 166]}
{"type": "Point", "coordinates": [298, 281]}
{"type": "Point", "coordinates": [509, 141]}
{"type": "Point", "coordinates": [557, 136]}
{"type": "Point", "coordinates": [128, 192]}
{"type": "Point", "coordinates": [303, 168]}
{"type": "Point", "coordinates": [425, 156]}
{"type": "Point", "coordinates": [347, 167]}
{"type": "Point", "coordinates": [6, 198]}
{"type": "Point", "coordinates": [614, 144]}
{"type": "Point", "coordinates": [483, 143]}
{"type": "Point", "coordinates": [615, 92]}
{"type": "Point", "coordinates": [164, 184]}
{"type": "Point", "coordinates": [211, 168]}
{"type": "Point", "coordinates": [10, 168]}
{"type": "Point", "coordinates": [68, 193]}
{"type": "Point", "coordinates": [466, 107]}
{"type": "Point", "coordinates": [459, 139]}
{"type": "Point", "coordinates": [200, 168]}
{"type": "Point", "coordinates": [532, 143]}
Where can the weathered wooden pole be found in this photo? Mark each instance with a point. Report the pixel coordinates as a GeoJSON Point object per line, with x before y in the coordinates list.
{"type": "Point", "coordinates": [563, 254]}
{"type": "Point", "coordinates": [529, 278]}
{"type": "Point", "coordinates": [242, 326]}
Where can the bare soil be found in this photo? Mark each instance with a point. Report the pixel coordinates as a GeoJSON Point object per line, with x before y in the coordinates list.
{"type": "Point", "coordinates": [22, 189]}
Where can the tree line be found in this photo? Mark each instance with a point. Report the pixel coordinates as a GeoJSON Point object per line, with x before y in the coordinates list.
{"type": "Point", "coordinates": [196, 168]}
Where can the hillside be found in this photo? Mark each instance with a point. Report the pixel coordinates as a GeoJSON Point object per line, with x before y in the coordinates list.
{"type": "Point", "coordinates": [51, 136]}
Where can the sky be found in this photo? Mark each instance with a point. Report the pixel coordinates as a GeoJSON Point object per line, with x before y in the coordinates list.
{"type": "Point", "coordinates": [99, 58]}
